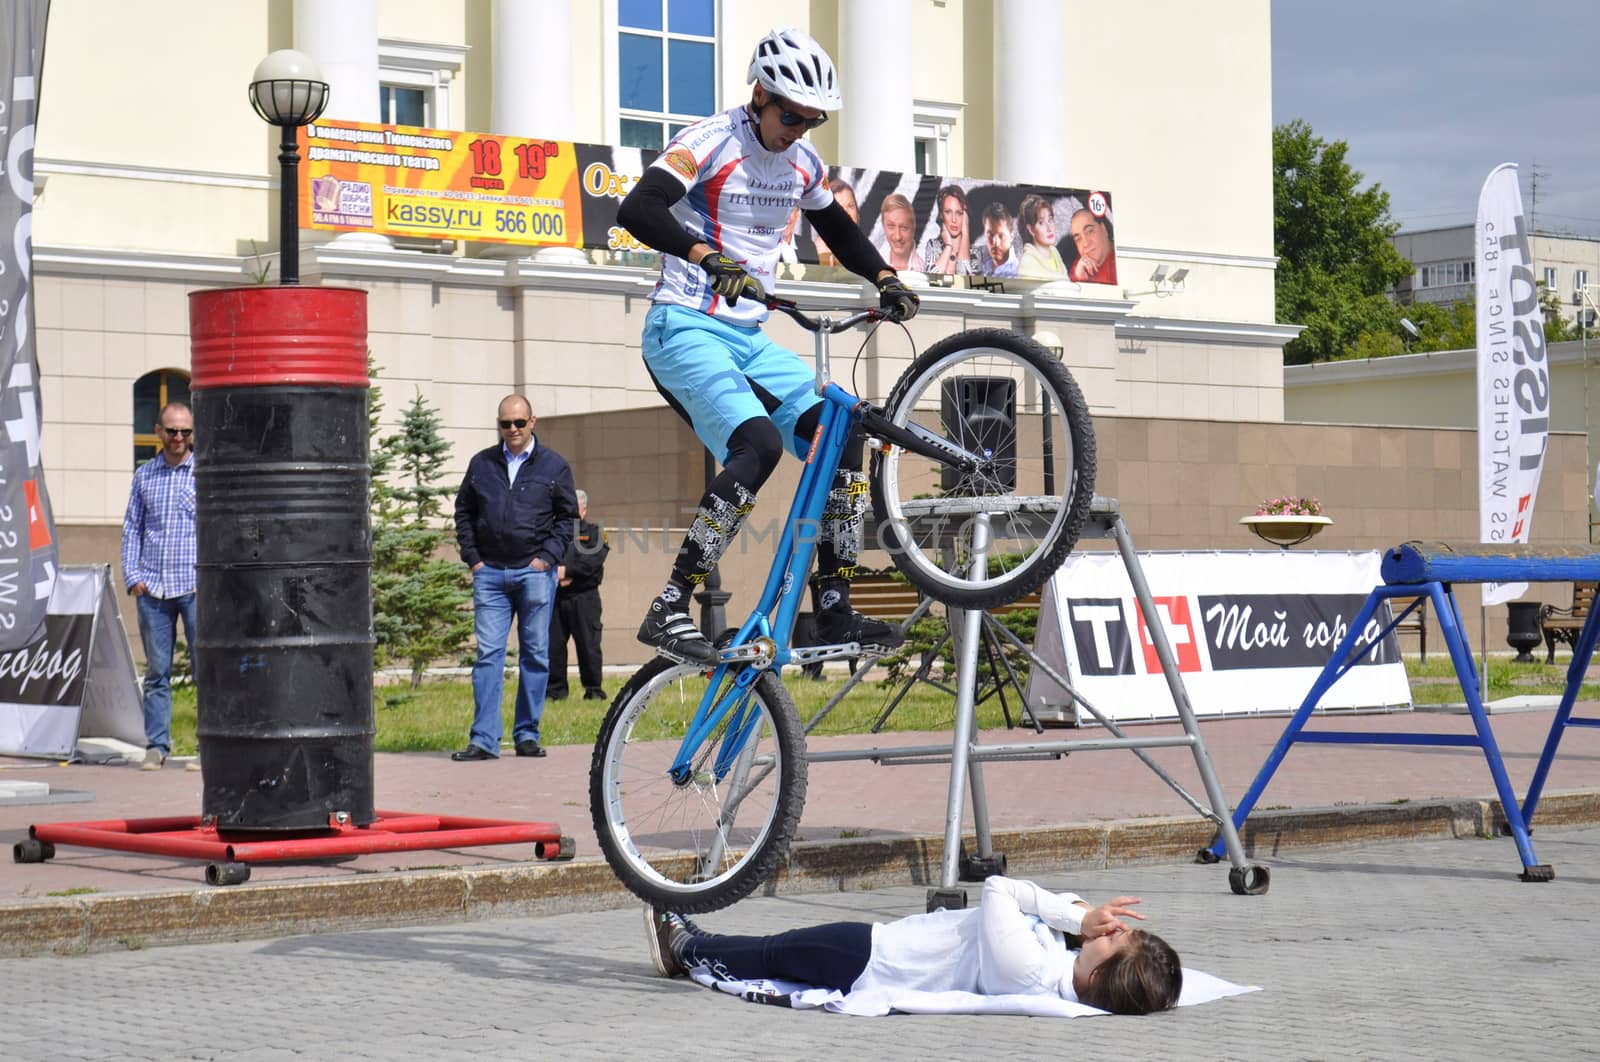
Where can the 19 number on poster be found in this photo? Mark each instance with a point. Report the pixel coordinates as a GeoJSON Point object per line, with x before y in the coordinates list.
{"type": "Point", "coordinates": [530, 157]}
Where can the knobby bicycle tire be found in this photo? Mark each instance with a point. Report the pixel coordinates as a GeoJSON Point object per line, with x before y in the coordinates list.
{"type": "Point", "coordinates": [1066, 423]}
{"type": "Point", "coordinates": [642, 817]}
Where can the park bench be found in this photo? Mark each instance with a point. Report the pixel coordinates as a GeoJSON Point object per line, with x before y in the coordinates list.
{"type": "Point", "coordinates": [1416, 623]}
{"type": "Point", "coordinates": [1563, 624]}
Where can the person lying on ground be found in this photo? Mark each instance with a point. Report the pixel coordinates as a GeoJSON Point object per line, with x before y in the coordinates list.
{"type": "Point", "coordinates": [1022, 939]}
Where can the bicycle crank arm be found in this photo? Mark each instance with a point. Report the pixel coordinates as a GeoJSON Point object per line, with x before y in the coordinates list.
{"type": "Point", "coordinates": [816, 654]}
{"type": "Point", "coordinates": [921, 441]}
{"type": "Point", "coordinates": [758, 651]}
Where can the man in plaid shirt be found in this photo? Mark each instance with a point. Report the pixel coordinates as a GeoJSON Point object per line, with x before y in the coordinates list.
{"type": "Point", "coordinates": [158, 558]}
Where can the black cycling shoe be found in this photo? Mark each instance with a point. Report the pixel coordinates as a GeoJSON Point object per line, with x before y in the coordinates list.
{"type": "Point", "coordinates": [837, 626]}
{"type": "Point", "coordinates": [675, 634]}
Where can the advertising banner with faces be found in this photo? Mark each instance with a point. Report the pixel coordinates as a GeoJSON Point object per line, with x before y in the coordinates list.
{"type": "Point", "coordinates": [407, 181]}
{"type": "Point", "coordinates": [964, 227]}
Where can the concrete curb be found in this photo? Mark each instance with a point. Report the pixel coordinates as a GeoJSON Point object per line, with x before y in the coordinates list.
{"type": "Point", "coordinates": [94, 923]}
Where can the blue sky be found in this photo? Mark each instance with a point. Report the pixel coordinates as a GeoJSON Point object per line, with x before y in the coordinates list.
{"type": "Point", "coordinates": [1431, 96]}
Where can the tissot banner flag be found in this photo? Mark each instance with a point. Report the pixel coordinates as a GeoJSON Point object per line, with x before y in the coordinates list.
{"type": "Point", "coordinates": [27, 531]}
{"type": "Point", "coordinates": [1513, 373]}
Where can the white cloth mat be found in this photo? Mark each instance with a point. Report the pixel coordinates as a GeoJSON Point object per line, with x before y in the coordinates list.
{"type": "Point", "coordinates": [1198, 987]}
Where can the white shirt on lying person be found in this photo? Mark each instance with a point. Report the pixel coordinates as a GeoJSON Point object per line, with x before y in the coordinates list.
{"type": "Point", "coordinates": [1013, 943]}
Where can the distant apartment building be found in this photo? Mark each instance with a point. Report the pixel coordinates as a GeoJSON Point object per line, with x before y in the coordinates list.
{"type": "Point", "coordinates": [1443, 272]}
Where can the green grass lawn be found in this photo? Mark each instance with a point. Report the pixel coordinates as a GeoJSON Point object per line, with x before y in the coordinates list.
{"type": "Point", "coordinates": [1436, 682]}
{"type": "Point", "coordinates": [437, 716]}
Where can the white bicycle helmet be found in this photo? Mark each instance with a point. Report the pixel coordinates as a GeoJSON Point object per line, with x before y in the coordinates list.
{"type": "Point", "coordinates": [790, 64]}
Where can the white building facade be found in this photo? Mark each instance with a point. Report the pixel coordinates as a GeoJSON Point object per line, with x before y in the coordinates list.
{"type": "Point", "coordinates": [1161, 103]}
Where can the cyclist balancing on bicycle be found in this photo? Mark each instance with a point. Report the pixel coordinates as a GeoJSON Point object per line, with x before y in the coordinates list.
{"type": "Point", "coordinates": [715, 203]}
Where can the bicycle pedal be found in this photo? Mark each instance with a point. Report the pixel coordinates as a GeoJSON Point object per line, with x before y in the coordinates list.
{"type": "Point", "coordinates": [680, 659]}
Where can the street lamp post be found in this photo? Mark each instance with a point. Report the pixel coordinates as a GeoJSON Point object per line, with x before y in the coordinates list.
{"type": "Point", "coordinates": [287, 91]}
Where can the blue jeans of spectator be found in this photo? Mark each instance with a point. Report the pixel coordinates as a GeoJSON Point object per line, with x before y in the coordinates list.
{"type": "Point", "coordinates": [158, 630]}
{"type": "Point", "coordinates": [498, 595]}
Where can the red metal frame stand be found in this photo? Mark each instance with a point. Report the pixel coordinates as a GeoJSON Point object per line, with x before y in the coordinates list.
{"type": "Point", "coordinates": [230, 852]}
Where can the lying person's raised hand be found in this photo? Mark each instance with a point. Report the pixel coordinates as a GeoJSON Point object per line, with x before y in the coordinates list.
{"type": "Point", "coordinates": [1106, 920]}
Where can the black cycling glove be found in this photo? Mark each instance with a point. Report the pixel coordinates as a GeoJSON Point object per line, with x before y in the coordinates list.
{"type": "Point", "coordinates": [901, 302]}
{"type": "Point", "coordinates": [729, 280]}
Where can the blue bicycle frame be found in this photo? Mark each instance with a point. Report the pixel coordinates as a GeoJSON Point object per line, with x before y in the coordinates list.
{"type": "Point", "coordinates": [793, 565]}
{"type": "Point", "coordinates": [763, 643]}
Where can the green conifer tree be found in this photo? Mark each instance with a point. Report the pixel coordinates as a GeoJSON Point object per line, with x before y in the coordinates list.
{"type": "Point", "coordinates": [419, 598]}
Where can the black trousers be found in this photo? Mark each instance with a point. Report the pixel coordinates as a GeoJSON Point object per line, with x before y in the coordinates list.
{"type": "Point", "coordinates": [828, 956]}
{"type": "Point", "coordinates": [576, 616]}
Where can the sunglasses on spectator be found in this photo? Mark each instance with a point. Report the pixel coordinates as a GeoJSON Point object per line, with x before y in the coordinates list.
{"type": "Point", "coordinates": [506, 425]}
{"type": "Point", "coordinates": [179, 433]}
{"type": "Point", "coordinates": [788, 117]}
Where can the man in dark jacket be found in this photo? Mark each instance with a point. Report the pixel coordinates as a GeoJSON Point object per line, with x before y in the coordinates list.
{"type": "Point", "coordinates": [514, 518]}
{"type": "Point", "coordinates": [577, 611]}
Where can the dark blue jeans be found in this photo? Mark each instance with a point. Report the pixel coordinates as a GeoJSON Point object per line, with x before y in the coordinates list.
{"type": "Point", "coordinates": [500, 595]}
{"type": "Point", "coordinates": [158, 630]}
{"type": "Point", "coordinates": [828, 956]}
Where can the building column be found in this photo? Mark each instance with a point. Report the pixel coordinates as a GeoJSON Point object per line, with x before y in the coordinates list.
{"type": "Point", "coordinates": [1027, 150]}
{"type": "Point", "coordinates": [341, 37]}
{"type": "Point", "coordinates": [532, 98]}
{"type": "Point", "coordinates": [532, 81]}
{"type": "Point", "coordinates": [874, 60]}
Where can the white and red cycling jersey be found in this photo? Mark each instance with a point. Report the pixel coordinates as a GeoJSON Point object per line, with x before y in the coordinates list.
{"type": "Point", "coordinates": [740, 197]}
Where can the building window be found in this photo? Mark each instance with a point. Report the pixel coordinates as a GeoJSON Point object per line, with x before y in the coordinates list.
{"type": "Point", "coordinates": [402, 106]}
{"type": "Point", "coordinates": [1580, 282]}
{"type": "Point", "coordinates": [151, 393]}
{"type": "Point", "coordinates": [1550, 277]}
{"type": "Point", "coordinates": [666, 67]}
{"type": "Point", "coordinates": [414, 81]}
{"type": "Point", "coordinates": [931, 125]}
{"type": "Point", "coordinates": [1445, 274]}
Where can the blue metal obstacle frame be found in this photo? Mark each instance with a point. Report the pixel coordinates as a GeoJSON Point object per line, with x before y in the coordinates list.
{"type": "Point", "coordinates": [1425, 572]}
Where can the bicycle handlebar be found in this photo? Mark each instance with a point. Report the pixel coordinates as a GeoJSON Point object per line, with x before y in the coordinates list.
{"type": "Point", "coordinates": [825, 324]}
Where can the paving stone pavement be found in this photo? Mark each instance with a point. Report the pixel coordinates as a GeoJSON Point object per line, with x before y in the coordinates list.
{"type": "Point", "coordinates": [1412, 950]}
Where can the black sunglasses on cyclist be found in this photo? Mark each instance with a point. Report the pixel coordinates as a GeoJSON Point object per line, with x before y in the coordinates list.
{"type": "Point", "coordinates": [506, 425]}
{"type": "Point", "coordinates": [178, 433]}
{"type": "Point", "coordinates": [788, 117]}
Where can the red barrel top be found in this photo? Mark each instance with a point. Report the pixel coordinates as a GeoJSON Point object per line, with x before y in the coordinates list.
{"type": "Point", "coordinates": [287, 334]}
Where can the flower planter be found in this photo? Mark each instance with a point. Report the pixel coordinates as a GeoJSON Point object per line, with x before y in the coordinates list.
{"type": "Point", "coordinates": [1285, 529]}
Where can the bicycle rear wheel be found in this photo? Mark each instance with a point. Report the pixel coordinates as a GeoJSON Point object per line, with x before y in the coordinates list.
{"type": "Point", "coordinates": [706, 841]}
{"type": "Point", "coordinates": [1003, 395]}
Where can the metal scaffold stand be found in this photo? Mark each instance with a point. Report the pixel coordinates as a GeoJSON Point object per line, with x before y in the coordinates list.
{"type": "Point", "coordinates": [966, 755]}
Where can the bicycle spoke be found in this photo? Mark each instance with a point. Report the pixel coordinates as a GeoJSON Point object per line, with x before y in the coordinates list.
{"type": "Point", "coordinates": [1000, 396]}
{"type": "Point", "coordinates": [711, 836]}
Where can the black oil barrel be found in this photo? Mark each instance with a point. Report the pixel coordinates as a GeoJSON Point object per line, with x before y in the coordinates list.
{"type": "Point", "coordinates": [283, 646]}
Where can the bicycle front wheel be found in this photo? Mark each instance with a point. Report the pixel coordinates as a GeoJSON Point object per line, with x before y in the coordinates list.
{"type": "Point", "coordinates": [1003, 396]}
{"type": "Point", "coordinates": [708, 837]}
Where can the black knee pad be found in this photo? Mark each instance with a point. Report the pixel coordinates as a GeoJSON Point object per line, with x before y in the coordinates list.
{"type": "Point", "coordinates": [805, 429]}
{"type": "Point", "coordinates": [754, 450]}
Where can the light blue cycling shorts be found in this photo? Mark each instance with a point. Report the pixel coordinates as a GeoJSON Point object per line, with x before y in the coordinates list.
{"type": "Point", "coordinates": [724, 374]}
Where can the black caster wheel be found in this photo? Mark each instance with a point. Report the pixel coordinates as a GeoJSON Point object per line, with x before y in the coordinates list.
{"type": "Point", "coordinates": [32, 851]}
{"type": "Point", "coordinates": [565, 850]}
{"type": "Point", "coordinates": [1252, 879]}
{"type": "Point", "coordinates": [981, 868]}
{"type": "Point", "coordinates": [1206, 856]}
{"type": "Point", "coordinates": [947, 900]}
{"type": "Point", "coordinates": [1538, 872]}
{"type": "Point", "coordinates": [227, 873]}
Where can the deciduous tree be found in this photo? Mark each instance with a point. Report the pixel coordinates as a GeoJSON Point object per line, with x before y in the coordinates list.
{"type": "Point", "coordinates": [1331, 235]}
